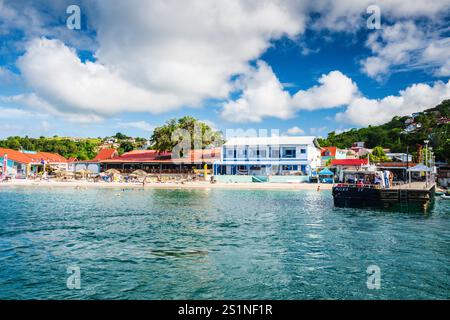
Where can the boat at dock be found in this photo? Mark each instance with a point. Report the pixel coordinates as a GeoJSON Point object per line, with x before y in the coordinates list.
{"type": "Point", "coordinates": [374, 188]}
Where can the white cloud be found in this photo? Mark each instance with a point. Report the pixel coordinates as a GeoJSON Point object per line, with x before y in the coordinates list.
{"type": "Point", "coordinates": [41, 107]}
{"type": "Point", "coordinates": [36, 19]}
{"type": "Point", "coordinates": [262, 96]}
{"type": "Point", "coordinates": [350, 15]}
{"type": "Point", "coordinates": [86, 88]}
{"type": "Point", "coordinates": [406, 45]}
{"type": "Point", "coordinates": [334, 89]}
{"type": "Point", "coordinates": [418, 97]}
{"type": "Point", "coordinates": [140, 125]}
{"type": "Point", "coordinates": [7, 77]}
{"type": "Point", "coordinates": [295, 130]}
{"type": "Point", "coordinates": [316, 131]}
{"type": "Point", "coordinates": [156, 56]}
{"type": "Point", "coordinates": [11, 113]}
{"type": "Point", "coordinates": [211, 124]}
{"type": "Point", "coordinates": [437, 54]}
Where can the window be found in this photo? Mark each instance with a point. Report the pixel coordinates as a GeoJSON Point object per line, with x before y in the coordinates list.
{"type": "Point", "coordinates": [302, 151]}
{"type": "Point", "coordinates": [289, 153]}
{"type": "Point", "coordinates": [230, 153]}
{"type": "Point", "coordinates": [240, 153]}
{"type": "Point", "coordinates": [263, 153]}
{"type": "Point", "coordinates": [252, 152]}
{"type": "Point", "coordinates": [275, 153]}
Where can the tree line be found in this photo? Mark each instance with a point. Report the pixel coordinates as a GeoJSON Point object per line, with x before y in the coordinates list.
{"type": "Point", "coordinates": [392, 135]}
{"type": "Point", "coordinates": [164, 138]}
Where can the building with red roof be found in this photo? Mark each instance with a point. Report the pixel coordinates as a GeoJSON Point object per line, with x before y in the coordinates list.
{"type": "Point", "coordinates": [328, 153]}
{"type": "Point", "coordinates": [156, 161]}
{"type": "Point", "coordinates": [106, 154]}
{"type": "Point", "coordinates": [349, 162]}
{"type": "Point", "coordinates": [24, 163]}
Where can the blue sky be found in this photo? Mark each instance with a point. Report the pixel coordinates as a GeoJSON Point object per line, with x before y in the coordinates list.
{"type": "Point", "coordinates": [307, 67]}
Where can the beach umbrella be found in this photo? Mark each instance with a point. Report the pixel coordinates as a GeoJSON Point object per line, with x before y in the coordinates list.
{"type": "Point", "coordinates": [419, 168]}
{"type": "Point", "coordinates": [326, 172]}
{"type": "Point", "coordinates": [139, 173]}
{"type": "Point", "coordinates": [112, 171]}
{"type": "Point", "coordinates": [84, 171]}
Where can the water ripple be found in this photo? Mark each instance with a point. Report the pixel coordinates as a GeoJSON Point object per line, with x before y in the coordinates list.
{"type": "Point", "coordinates": [216, 244]}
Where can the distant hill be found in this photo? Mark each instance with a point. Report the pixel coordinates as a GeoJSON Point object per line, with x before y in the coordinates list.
{"type": "Point", "coordinates": [432, 124]}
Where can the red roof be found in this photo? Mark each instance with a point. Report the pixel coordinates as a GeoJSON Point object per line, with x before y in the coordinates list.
{"type": "Point", "coordinates": [31, 157]}
{"type": "Point", "coordinates": [349, 162]}
{"type": "Point", "coordinates": [331, 151]}
{"type": "Point", "coordinates": [154, 156]}
{"type": "Point", "coordinates": [396, 164]}
{"type": "Point", "coordinates": [15, 155]}
{"type": "Point", "coordinates": [48, 157]}
{"type": "Point", "coordinates": [106, 154]}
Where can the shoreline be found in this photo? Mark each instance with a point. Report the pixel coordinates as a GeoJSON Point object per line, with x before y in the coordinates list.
{"type": "Point", "coordinates": [168, 185]}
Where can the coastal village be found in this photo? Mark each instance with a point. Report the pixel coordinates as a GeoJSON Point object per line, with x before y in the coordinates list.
{"type": "Point", "coordinates": [224, 159]}
{"type": "Point", "coordinates": [357, 175]}
{"type": "Point", "coordinates": [290, 159]}
{"type": "Point", "coordinates": [241, 158]}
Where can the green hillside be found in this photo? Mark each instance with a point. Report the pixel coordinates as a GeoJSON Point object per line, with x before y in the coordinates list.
{"type": "Point", "coordinates": [400, 132]}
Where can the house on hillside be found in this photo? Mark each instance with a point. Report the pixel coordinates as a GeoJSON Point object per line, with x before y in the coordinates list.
{"type": "Point", "coordinates": [443, 120]}
{"type": "Point", "coordinates": [350, 154]}
{"type": "Point", "coordinates": [399, 157]}
{"type": "Point", "coordinates": [409, 121]}
{"type": "Point", "coordinates": [360, 149]}
{"type": "Point", "coordinates": [332, 153]}
{"type": "Point", "coordinates": [411, 127]}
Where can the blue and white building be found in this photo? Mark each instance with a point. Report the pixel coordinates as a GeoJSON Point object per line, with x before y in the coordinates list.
{"type": "Point", "coordinates": [264, 156]}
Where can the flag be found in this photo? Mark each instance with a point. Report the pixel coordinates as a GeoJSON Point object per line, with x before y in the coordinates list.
{"type": "Point", "coordinates": [5, 165]}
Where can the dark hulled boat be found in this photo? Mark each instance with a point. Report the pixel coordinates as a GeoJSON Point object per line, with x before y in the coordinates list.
{"type": "Point", "coordinates": [415, 196]}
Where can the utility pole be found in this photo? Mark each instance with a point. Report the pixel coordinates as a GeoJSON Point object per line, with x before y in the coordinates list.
{"type": "Point", "coordinates": [407, 163]}
{"type": "Point", "coordinates": [426, 162]}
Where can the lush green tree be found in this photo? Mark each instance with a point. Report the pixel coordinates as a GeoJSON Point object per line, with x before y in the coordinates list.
{"type": "Point", "coordinates": [166, 137]}
{"type": "Point", "coordinates": [378, 155]}
{"type": "Point", "coordinates": [82, 150]}
{"type": "Point", "coordinates": [392, 134]}
{"type": "Point", "coordinates": [121, 136]}
{"type": "Point", "coordinates": [125, 146]}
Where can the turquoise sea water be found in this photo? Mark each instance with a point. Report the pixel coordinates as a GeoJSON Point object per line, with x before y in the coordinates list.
{"type": "Point", "coordinates": [215, 244]}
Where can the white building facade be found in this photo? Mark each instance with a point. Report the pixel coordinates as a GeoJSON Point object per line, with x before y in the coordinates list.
{"type": "Point", "coordinates": [263, 156]}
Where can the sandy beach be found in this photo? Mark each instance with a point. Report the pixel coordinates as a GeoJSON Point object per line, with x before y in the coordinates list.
{"type": "Point", "coordinates": [168, 185]}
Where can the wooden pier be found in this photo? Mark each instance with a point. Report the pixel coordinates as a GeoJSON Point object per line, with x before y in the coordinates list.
{"type": "Point", "coordinates": [416, 195]}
